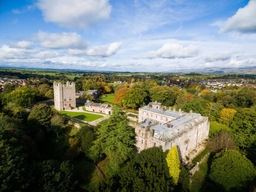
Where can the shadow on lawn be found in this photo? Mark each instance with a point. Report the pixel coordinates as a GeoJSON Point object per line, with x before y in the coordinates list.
{"type": "Point", "coordinates": [82, 117]}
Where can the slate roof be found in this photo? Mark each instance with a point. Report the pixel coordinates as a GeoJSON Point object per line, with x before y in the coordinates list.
{"type": "Point", "coordinates": [171, 129]}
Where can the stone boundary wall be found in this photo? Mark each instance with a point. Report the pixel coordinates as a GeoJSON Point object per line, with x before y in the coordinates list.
{"type": "Point", "coordinates": [196, 167]}
{"type": "Point", "coordinates": [76, 122]}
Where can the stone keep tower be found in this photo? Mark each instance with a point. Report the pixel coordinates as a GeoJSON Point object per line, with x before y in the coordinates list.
{"type": "Point", "coordinates": [64, 95]}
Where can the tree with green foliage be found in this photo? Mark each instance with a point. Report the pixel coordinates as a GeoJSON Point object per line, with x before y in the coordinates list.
{"type": "Point", "coordinates": [243, 127]}
{"type": "Point", "coordinates": [228, 101]}
{"type": "Point", "coordinates": [115, 139]}
{"type": "Point", "coordinates": [134, 98]}
{"type": "Point", "coordinates": [216, 128]}
{"type": "Point", "coordinates": [55, 176]}
{"type": "Point", "coordinates": [163, 94]}
{"type": "Point", "coordinates": [175, 89]}
{"type": "Point", "coordinates": [15, 111]}
{"type": "Point", "coordinates": [13, 161]}
{"type": "Point", "coordinates": [251, 153]}
{"type": "Point", "coordinates": [43, 89]}
{"type": "Point", "coordinates": [57, 123]}
{"type": "Point", "coordinates": [193, 105]}
{"type": "Point", "coordinates": [147, 84]}
{"type": "Point", "coordinates": [232, 171]}
{"type": "Point", "coordinates": [213, 111]}
{"type": "Point", "coordinates": [86, 136]}
{"type": "Point", "coordinates": [79, 84]}
{"type": "Point", "coordinates": [245, 98]}
{"type": "Point", "coordinates": [147, 171]}
{"type": "Point", "coordinates": [40, 115]}
{"type": "Point", "coordinates": [173, 162]}
{"type": "Point", "coordinates": [211, 96]}
{"type": "Point", "coordinates": [23, 96]}
{"type": "Point", "coordinates": [181, 99]}
{"type": "Point", "coordinates": [49, 94]}
{"type": "Point", "coordinates": [39, 122]}
{"type": "Point", "coordinates": [89, 84]}
{"type": "Point", "coordinates": [9, 88]}
{"type": "Point", "coordinates": [184, 180]}
{"type": "Point", "coordinates": [7, 122]}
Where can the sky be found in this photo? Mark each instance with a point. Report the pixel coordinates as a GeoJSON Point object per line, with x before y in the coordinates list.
{"type": "Point", "coordinates": [128, 35]}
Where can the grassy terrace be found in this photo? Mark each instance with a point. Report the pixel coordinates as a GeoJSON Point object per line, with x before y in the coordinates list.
{"type": "Point", "coordinates": [81, 115]}
{"type": "Point", "coordinates": [108, 98]}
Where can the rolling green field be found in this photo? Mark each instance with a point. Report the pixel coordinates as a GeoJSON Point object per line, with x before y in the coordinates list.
{"type": "Point", "coordinates": [108, 98]}
{"type": "Point", "coordinates": [81, 115]}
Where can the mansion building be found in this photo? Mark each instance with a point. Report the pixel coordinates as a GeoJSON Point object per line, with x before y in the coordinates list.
{"type": "Point", "coordinates": [167, 128]}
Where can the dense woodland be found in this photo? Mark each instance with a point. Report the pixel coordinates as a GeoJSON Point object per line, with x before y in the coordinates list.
{"type": "Point", "coordinates": [41, 151]}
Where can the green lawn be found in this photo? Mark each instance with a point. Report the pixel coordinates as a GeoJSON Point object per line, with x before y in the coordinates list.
{"type": "Point", "coordinates": [108, 98]}
{"type": "Point", "coordinates": [81, 115]}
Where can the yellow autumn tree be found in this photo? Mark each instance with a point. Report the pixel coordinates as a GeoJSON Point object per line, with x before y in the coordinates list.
{"type": "Point", "coordinates": [107, 89]}
{"type": "Point", "coordinates": [173, 163]}
{"type": "Point", "coordinates": [226, 115]}
{"type": "Point", "coordinates": [205, 92]}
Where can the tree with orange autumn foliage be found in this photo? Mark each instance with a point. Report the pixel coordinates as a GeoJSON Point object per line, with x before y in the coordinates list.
{"type": "Point", "coordinates": [189, 97]}
{"type": "Point", "coordinates": [120, 95]}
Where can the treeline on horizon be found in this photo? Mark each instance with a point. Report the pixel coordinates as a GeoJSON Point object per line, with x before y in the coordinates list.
{"type": "Point", "coordinates": [60, 74]}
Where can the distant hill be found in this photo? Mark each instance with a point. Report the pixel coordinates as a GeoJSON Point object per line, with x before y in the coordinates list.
{"type": "Point", "coordinates": [219, 70]}
{"type": "Point", "coordinates": [208, 70]}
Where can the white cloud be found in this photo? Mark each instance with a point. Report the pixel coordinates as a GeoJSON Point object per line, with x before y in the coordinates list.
{"type": "Point", "coordinates": [76, 52]}
{"type": "Point", "coordinates": [104, 51]}
{"type": "Point", "coordinates": [74, 13]}
{"type": "Point", "coordinates": [45, 55]}
{"type": "Point", "coordinates": [22, 45]}
{"type": "Point", "coordinates": [242, 63]}
{"type": "Point", "coordinates": [61, 40]}
{"type": "Point", "coordinates": [171, 51]}
{"type": "Point", "coordinates": [218, 57]}
{"type": "Point", "coordinates": [9, 53]}
{"type": "Point", "coordinates": [243, 21]}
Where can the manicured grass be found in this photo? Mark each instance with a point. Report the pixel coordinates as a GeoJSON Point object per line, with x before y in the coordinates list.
{"type": "Point", "coordinates": [81, 115]}
{"type": "Point", "coordinates": [108, 98]}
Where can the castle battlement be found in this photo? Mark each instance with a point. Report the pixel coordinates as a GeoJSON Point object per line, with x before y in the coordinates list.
{"type": "Point", "coordinates": [67, 85]}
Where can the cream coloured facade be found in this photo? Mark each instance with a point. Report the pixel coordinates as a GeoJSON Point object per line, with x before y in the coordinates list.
{"type": "Point", "coordinates": [160, 127]}
{"type": "Point", "coordinates": [98, 107]}
{"type": "Point", "coordinates": [64, 96]}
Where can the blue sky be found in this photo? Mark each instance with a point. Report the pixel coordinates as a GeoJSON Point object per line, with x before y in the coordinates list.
{"type": "Point", "coordinates": [128, 35]}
